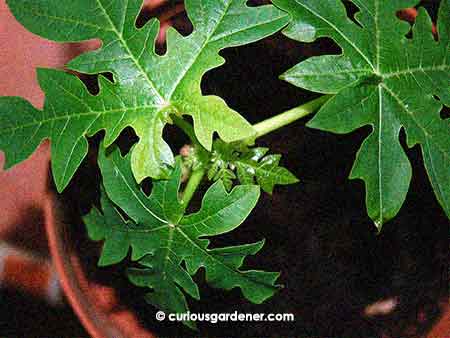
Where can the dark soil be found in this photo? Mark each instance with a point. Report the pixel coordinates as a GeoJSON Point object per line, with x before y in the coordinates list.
{"type": "Point", "coordinates": [318, 233]}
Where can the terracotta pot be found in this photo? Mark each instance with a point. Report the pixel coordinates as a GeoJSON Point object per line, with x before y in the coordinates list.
{"type": "Point", "coordinates": [115, 322]}
{"type": "Point", "coordinates": [27, 185]}
{"type": "Point", "coordinates": [30, 202]}
{"type": "Point", "coordinates": [442, 328]}
{"type": "Point", "coordinates": [24, 52]}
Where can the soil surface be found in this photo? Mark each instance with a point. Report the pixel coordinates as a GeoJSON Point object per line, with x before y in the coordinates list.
{"type": "Point", "coordinates": [317, 232]}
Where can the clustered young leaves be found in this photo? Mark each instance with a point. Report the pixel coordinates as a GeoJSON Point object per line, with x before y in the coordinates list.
{"type": "Point", "coordinates": [382, 78]}
{"type": "Point", "coordinates": [250, 164]}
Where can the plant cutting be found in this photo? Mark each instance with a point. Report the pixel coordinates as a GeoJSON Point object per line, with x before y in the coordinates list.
{"type": "Point", "coordinates": [368, 84]}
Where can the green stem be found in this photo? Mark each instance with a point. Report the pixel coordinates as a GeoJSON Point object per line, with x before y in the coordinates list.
{"type": "Point", "coordinates": [262, 128]}
{"type": "Point", "coordinates": [197, 175]}
{"type": "Point", "coordinates": [187, 128]}
{"type": "Point", "coordinates": [194, 181]}
{"type": "Point", "coordinates": [283, 119]}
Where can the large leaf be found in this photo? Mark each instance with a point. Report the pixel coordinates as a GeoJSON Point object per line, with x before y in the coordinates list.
{"type": "Point", "coordinates": [162, 237]}
{"type": "Point", "coordinates": [382, 79]}
{"type": "Point", "coordinates": [148, 87]}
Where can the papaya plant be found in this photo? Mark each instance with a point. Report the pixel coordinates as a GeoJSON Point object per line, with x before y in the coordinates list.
{"type": "Point", "coordinates": [389, 75]}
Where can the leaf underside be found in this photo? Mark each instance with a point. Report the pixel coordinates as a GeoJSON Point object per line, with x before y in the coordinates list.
{"type": "Point", "coordinates": [162, 237]}
{"type": "Point", "coordinates": [147, 87]}
{"type": "Point", "coordinates": [382, 79]}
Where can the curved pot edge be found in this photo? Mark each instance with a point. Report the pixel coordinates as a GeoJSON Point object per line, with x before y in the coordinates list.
{"type": "Point", "coordinates": [71, 276]}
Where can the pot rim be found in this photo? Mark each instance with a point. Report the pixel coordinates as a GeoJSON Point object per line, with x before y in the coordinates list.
{"type": "Point", "coordinates": [72, 277]}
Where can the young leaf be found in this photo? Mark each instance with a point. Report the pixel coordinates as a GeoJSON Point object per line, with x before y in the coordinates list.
{"type": "Point", "coordinates": [250, 164]}
{"type": "Point", "coordinates": [266, 169]}
{"type": "Point", "coordinates": [385, 80]}
{"type": "Point", "coordinates": [162, 236]}
{"type": "Point", "coordinates": [147, 88]}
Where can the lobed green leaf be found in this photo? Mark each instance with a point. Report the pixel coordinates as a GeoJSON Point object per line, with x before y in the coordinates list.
{"type": "Point", "coordinates": [147, 87]}
{"type": "Point", "coordinates": [385, 80]}
{"type": "Point", "coordinates": [162, 237]}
